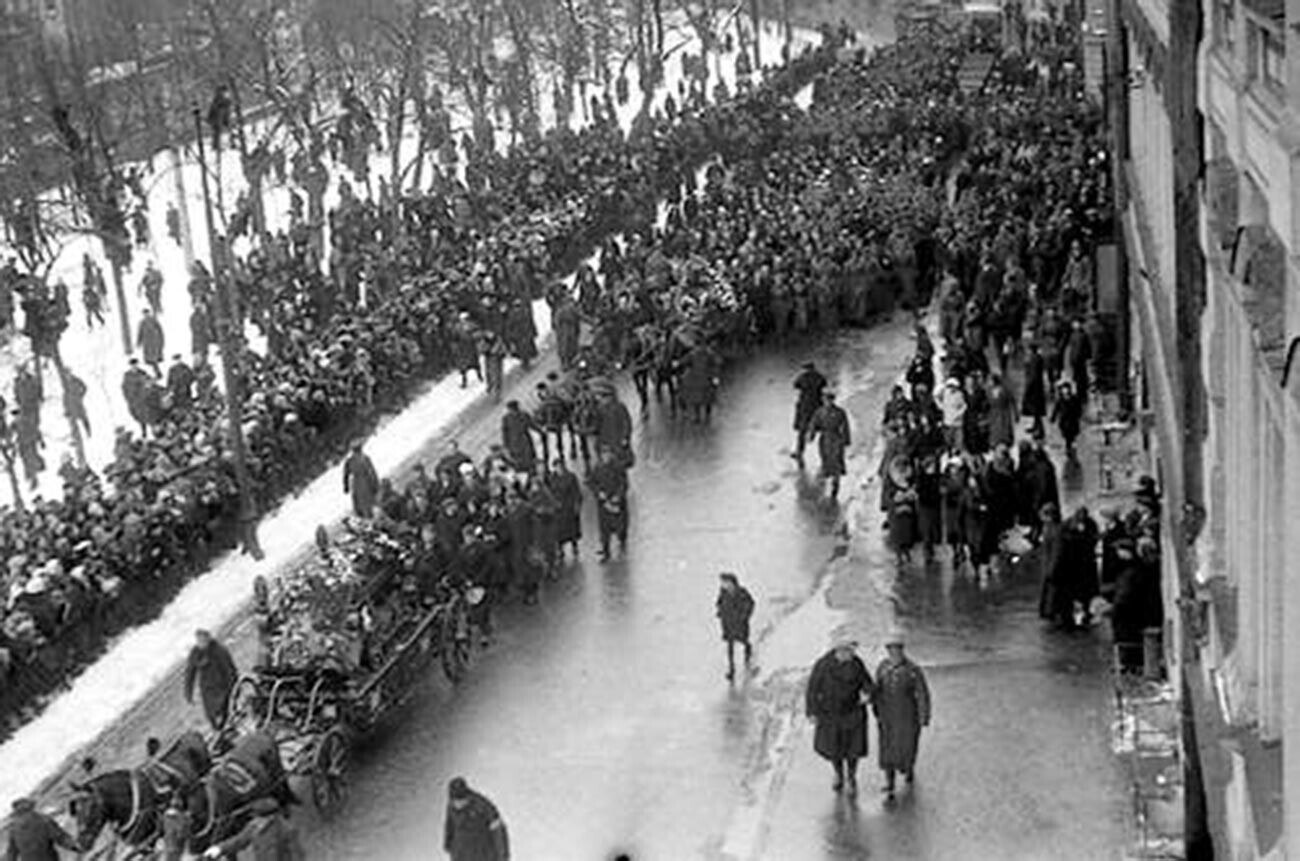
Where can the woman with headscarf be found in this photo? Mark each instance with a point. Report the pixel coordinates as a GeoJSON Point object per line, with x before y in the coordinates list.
{"type": "Point", "coordinates": [838, 692]}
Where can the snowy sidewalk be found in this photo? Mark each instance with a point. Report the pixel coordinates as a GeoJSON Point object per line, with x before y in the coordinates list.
{"type": "Point", "coordinates": [143, 658]}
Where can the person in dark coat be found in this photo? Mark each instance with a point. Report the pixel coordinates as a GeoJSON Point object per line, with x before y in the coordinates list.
{"type": "Point", "coordinates": [567, 490]}
{"type": "Point", "coordinates": [1077, 574]}
{"type": "Point", "coordinates": [150, 340]}
{"type": "Point", "coordinates": [567, 323]}
{"type": "Point", "coordinates": [210, 665]}
{"type": "Point", "coordinates": [34, 836]}
{"type": "Point", "coordinates": [1138, 602]}
{"type": "Point", "coordinates": [517, 428]}
{"type": "Point", "coordinates": [609, 484]}
{"type": "Point", "coordinates": [810, 384]}
{"type": "Point", "coordinates": [135, 382]}
{"type": "Point", "coordinates": [474, 829]}
{"type": "Point", "coordinates": [830, 426]}
{"type": "Point", "coordinates": [902, 705]}
{"type": "Point", "coordinates": [735, 607]}
{"type": "Point", "coordinates": [1051, 601]}
{"type": "Point", "coordinates": [180, 383]}
{"type": "Point", "coordinates": [1067, 413]}
{"type": "Point", "coordinates": [1033, 402]}
{"type": "Point", "coordinates": [269, 836]}
{"type": "Point", "coordinates": [839, 690]}
{"type": "Point", "coordinates": [929, 504]}
{"type": "Point", "coordinates": [1003, 414]}
{"type": "Point", "coordinates": [977, 533]}
{"type": "Point", "coordinates": [521, 332]}
{"type": "Point", "coordinates": [361, 480]}
{"type": "Point", "coordinates": [614, 428]}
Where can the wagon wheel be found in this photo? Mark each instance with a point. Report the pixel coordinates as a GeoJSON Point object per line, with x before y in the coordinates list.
{"type": "Point", "coordinates": [246, 705]}
{"type": "Point", "coordinates": [329, 774]}
{"type": "Point", "coordinates": [455, 643]}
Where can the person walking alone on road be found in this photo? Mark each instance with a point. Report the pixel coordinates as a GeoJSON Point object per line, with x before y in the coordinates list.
{"type": "Point", "coordinates": [474, 830]}
{"type": "Point", "coordinates": [831, 428]}
{"type": "Point", "coordinates": [735, 606]}
{"type": "Point", "coordinates": [33, 836]}
{"type": "Point", "coordinates": [361, 480]}
{"type": "Point", "coordinates": [810, 384]}
{"type": "Point", "coordinates": [902, 706]}
{"type": "Point", "coordinates": [838, 692]}
{"type": "Point", "coordinates": [211, 666]}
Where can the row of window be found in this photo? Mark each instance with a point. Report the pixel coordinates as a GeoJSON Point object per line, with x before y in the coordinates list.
{"type": "Point", "coordinates": [1265, 41]}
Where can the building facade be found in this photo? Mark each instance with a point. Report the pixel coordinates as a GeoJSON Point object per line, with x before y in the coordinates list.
{"type": "Point", "coordinates": [1207, 121]}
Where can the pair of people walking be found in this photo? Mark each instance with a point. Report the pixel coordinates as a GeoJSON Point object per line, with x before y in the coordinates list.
{"type": "Point", "coordinates": [839, 692]}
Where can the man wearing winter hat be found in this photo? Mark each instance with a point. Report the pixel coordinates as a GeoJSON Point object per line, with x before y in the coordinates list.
{"type": "Point", "coordinates": [902, 707]}
{"type": "Point", "coordinates": [735, 606]}
{"type": "Point", "coordinates": [34, 836]}
{"type": "Point", "coordinates": [836, 699]}
{"type": "Point", "coordinates": [474, 830]}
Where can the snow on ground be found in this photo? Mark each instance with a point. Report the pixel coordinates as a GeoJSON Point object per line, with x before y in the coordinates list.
{"type": "Point", "coordinates": [143, 657]}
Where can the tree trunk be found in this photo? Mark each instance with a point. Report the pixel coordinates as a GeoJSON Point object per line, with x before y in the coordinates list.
{"type": "Point", "coordinates": [756, 19]}
{"type": "Point", "coordinates": [119, 288]}
{"type": "Point", "coordinates": [15, 487]}
{"type": "Point", "coordinates": [78, 444]}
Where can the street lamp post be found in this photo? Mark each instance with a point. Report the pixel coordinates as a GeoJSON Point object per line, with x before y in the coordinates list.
{"type": "Point", "coordinates": [228, 319]}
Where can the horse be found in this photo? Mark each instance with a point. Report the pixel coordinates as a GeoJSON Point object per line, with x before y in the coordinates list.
{"type": "Point", "coordinates": [132, 801]}
{"type": "Point", "coordinates": [220, 805]}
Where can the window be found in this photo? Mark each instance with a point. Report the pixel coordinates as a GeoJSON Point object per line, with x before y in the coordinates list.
{"type": "Point", "coordinates": [1267, 56]}
{"type": "Point", "coordinates": [1225, 22]}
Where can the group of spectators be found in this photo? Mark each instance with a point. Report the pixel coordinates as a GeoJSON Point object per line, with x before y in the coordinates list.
{"type": "Point", "coordinates": [419, 283]}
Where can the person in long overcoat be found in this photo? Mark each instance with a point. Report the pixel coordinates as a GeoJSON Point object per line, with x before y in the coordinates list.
{"type": "Point", "coordinates": [609, 485]}
{"type": "Point", "coordinates": [34, 836]}
{"type": "Point", "coordinates": [1033, 402]}
{"type": "Point", "coordinates": [953, 489]}
{"type": "Point", "coordinates": [977, 534]}
{"type": "Point", "coordinates": [1078, 580]}
{"type": "Point", "coordinates": [929, 504]}
{"type": "Point", "coordinates": [839, 690]}
{"type": "Point", "coordinates": [1003, 414]}
{"type": "Point", "coordinates": [902, 707]}
{"type": "Point", "coordinates": [517, 428]}
{"type": "Point", "coordinates": [567, 323]}
{"type": "Point", "coordinates": [474, 829]}
{"type": "Point", "coordinates": [699, 384]}
{"type": "Point", "coordinates": [614, 428]}
{"type": "Point", "coordinates": [1067, 413]}
{"type": "Point", "coordinates": [362, 481]}
{"type": "Point", "coordinates": [830, 426]}
{"type": "Point", "coordinates": [1138, 602]}
{"type": "Point", "coordinates": [810, 384]}
{"type": "Point", "coordinates": [902, 510]}
{"type": "Point", "coordinates": [1051, 601]}
{"type": "Point", "coordinates": [567, 490]}
{"type": "Point", "coordinates": [734, 608]}
{"type": "Point", "coordinates": [211, 667]}
{"type": "Point", "coordinates": [521, 332]}
{"type": "Point", "coordinates": [150, 340]}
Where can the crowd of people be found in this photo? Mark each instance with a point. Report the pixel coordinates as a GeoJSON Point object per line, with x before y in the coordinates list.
{"type": "Point", "coordinates": [416, 286]}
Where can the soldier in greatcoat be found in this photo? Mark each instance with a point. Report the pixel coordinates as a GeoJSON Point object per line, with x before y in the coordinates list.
{"type": "Point", "coordinates": [810, 384]}
{"type": "Point", "coordinates": [567, 490]}
{"type": "Point", "coordinates": [902, 707]}
{"type": "Point", "coordinates": [474, 830]}
{"type": "Point", "coordinates": [830, 426]}
{"type": "Point", "coordinates": [517, 428]}
{"type": "Point", "coordinates": [567, 323]}
{"type": "Point", "coordinates": [150, 340]}
{"type": "Point", "coordinates": [362, 481]}
{"type": "Point", "coordinates": [838, 692]}
{"type": "Point", "coordinates": [734, 608]}
{"type": "Point", "coordinates": [609, 483]}
{"type": "Point", "coordinates": [213, 669]}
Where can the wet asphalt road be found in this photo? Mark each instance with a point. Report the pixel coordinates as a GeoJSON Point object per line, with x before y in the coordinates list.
{"type": "Point", "coordinates": [600, 721]}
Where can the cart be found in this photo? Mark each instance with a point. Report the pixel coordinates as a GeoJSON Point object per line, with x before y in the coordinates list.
{"type": "Point", "coordinates": [317, 707]}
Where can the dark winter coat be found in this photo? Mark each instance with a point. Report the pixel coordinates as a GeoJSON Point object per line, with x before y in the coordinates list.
{"type": "Point", "coordinates": [810, 385]}
{"type": "Point", "coordinates": [1033, 403]}
{"type": "Point", "coordinates": [831, 424]}
{"type": "Point", "coordinates": [1078, 570]}
{"type": "Point", "coordinates": [614, 429]}
{"type": "Point", "coordinates": [1002, 417]}
{"type": "Point", "coordinates": [214, 671]}
{"type": "Point", "coordinates": [33, 836]}
{"type": "Point", "coordinates": [1067, 412]}
{"type": "Point", "coordinates": [902, 707]}
{"type": "Point", "coordinates": [1138, 603]}
{"type": "Point", "coordinates": [836, 699]}
{"type": "Point", "coordinates": [362, 481]}
{"type": "Point", "coordinates": [517, 437]}
{"type": "Point", "coordinates": [150, 340]}
{"type": "Point", "coordinates": [734, 608]}
{"type": "Point", "coordinates": [475, 832]}
{"type": "Point", "coordinates": [568, 326]}
{"type": "Point", "coordinates": [568, 493]}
